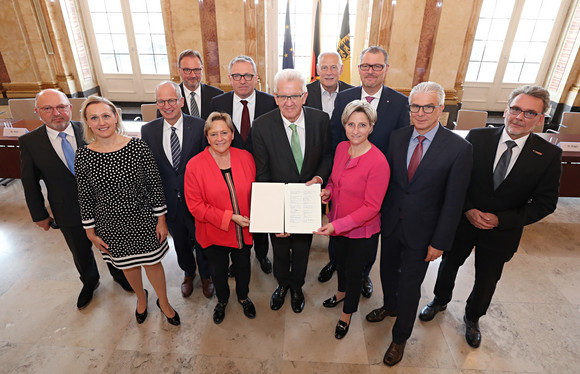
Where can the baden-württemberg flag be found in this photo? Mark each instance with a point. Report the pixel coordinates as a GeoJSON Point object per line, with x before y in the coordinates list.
{"type": "Point", "coordinates": [344, 46]}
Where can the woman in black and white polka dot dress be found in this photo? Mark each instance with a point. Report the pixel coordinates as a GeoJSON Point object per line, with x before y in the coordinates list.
{"type": "Point", "coordinates": [122, 202]}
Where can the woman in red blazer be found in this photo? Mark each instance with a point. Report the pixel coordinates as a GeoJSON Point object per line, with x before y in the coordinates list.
{"type": "Point", "coordinates": [218, 183]}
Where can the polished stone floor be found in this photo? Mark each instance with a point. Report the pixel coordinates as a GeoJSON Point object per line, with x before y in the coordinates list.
{"type": "Point", "coordinates": [533, 325]}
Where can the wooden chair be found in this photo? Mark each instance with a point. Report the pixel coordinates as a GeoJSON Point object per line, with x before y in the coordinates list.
{"type": "Point", "coordinates": [470, 119]}
{"type": "Point", "coordinates": [148, 112]}
{"type": "Point", "coordinates": [22, 109]}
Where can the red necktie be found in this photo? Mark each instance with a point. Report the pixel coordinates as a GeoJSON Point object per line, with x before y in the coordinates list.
{"type": "Point", "coordinates": [370, 98]}
{"type": "Point", "coordinates": [416, 157]}
{"type": "Point", "coordinates": [245, 128]}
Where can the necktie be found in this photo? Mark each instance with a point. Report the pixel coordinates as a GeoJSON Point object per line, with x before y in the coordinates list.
{"type": "Point", "coordinates": [415, 157]}
{"type": "Point", "coordinates": [175, 148]}
{"type": "Point", "coordinates": [245, 128]}
{"type": "Point", "coordinates": [69, 154]}
{"type": "Point", "coordinates": [193, 109]}
{"type": "Point", "coordinates": [502, 165]}
{"type": "Point", "coordinates": [370, 98]}
{"type": "Point", "coordinates": [295, 145]}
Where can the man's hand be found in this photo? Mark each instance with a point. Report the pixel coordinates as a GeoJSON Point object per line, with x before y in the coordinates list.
{"type": "Point", "coordinates": [283, 235]}
{"type": "Point", "coordinates": [316, 179]}
{"type": "Point", "coordinates": [45, 223]}
{"type": "Point", "coordinates": [481, 220]}
{"type": "Point", "coordinates": [433, 254]}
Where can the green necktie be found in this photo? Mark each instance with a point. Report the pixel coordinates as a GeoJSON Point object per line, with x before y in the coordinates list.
{"type": "Point", "coordinates": [295, 145]}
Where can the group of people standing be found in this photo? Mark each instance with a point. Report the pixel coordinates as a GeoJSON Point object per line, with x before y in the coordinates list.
{"type": "Point", "coordinates": [387, 167]}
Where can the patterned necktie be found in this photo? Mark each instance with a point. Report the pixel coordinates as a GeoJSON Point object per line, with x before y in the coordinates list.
{"type": "Point", "coordinates": [193, 109]}
{"type": "Point", "coordinates": [295, 145]}
{"type": "Point", "coordinates": [175, 148]}
{"type": "Point", "coordinates": [69, 154]}
{"type": "Point", "coordinates": [370, 98]}
{"type": "Point", "coordinates": [245, 127]}
{"type": "Point", "coordinates": [502, 165]}
{"type": "Point", "coordinates": [416, 157]}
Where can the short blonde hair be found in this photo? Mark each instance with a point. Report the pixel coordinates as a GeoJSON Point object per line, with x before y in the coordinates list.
{"type": "Point", "coordinates": [218, 116]}
{"type": "Point", "coordinates": [94, 99]}
{"type": "Point", "coordinates": [361, 107]}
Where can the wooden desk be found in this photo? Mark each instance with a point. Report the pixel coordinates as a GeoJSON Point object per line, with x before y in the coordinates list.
{"type": "Point", "coordinates": [570, 181]}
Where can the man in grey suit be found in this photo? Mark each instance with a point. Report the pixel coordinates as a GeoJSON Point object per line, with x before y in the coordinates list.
{"type": "Point", "coordinates": [174, 140]}
{"type": "Point", "coordinates": [430, 168]}
{"type": "Point", "coordinates": [47, 153]}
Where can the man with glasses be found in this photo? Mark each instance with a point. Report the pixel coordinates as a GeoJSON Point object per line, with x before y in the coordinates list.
{"type": "Point", "coordinates": [48, 153]}
{"type": "Point", "coordinates": [244, 104]}
{"type": "Point", "coordinates": [174, 140]}
{"type": "Point", "coordinates": [392, 113]}
{"type": "Point", "coordinates": [291, 146]}
{"type": "Point", "coordinates": [514, 183]}
{"type": "Point", "coordinates": [197, 95]}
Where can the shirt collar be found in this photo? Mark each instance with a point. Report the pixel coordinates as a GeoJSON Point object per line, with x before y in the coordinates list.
{"type": "Point", "coordinates": [519, 142]}
{"type": "Point", "coordinates": [178, 125]}
{"type": "Point", "coordinates": [188, 92]}
{"type": "Point", "coordinates": [250, 99]}
{"type": "Point", "coordinates": [53, 134]}
{"type": "Point", "coordinates": [299, 121]}
{"type": "Point", "coordinates": [377, 95]}
{"type": "Point", "coordinates": [429, 134]}
{"type": "Point", "coordinates": [329, 93]}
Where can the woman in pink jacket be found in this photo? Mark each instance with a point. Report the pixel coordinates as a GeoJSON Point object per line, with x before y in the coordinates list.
{"type": "Point", "coordinates": [357, 186]}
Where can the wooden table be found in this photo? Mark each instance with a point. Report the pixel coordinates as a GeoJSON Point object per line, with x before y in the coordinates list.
{"type": "Point", "coordinates": [570, 181]}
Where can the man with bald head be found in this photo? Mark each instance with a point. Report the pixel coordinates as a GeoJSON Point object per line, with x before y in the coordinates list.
{"type": "Point", "coordinates": [48, 153]}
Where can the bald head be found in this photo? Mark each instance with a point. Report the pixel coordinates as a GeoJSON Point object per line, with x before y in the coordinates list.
{"type": "Point", "coordinates": [53, 108]}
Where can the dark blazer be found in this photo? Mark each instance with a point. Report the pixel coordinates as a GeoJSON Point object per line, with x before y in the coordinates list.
{"type": "Point", "coordinates": [225, 103]}
{"type": "Point", "coordinates": [273, 155]}
{"type": "Point", "coordinates": [39, 160]}
{"type": "Point", "coordinates": [192, 144]}
{"type": "Point", "coordinates": [207, 93]}
{"type": "Point", "coordinates": [314, 91]}
{"type": "Point", "coordinates": [528, 193]}
{"type": "Point", "coordinates": [430, 205]}
{"type": "Point", "coordinates": [392, 113]}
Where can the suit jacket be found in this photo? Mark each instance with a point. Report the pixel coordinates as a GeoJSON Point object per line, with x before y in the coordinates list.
{"type": "Point", "coordinates": [314, 99]}
{"type": "Point", "coordinates": [207, 93]}
{"type": "Point", "coordinates": [528, 193]}
{"type": "Point", "coordinates": [39, 160]}
{"type": "Point", "coordinates": [430, 205]}
{"type": "Point", "coordinates": [192, 144]}
{"type": "Point", "coordinates": [273, 154]}
{"type": "Point", "coordinates": [225, 103]}
{"type": "Point", "coordinates": [392, 113]}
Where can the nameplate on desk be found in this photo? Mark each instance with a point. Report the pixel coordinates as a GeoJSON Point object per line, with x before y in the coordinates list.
{"type": "Point", "coordinates": [14, 131]}
{"type": "Point", "coordinates": [570, 146]}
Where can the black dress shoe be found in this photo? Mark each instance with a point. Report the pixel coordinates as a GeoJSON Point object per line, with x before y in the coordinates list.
{"type": "Point", "coordinates": [326, 272]}
{"type": "Point", "coordinates": [175, 321]}
{"type": "Point", "coordinates": [231, 271]}
{"type": "Point", "coordinates": [394, 354]}
{"type": "Point", "coordinates": [430, 310]}
{"type": "Point", "coordinates": [296, 300]}
{"type": "Point", "coordinates": [142, 316]}
{"type": "Point", "coordinates": [278, 296]}
{"type": "Point", "coordinates": [379, 314]}
{"type": "Point", "coordinates": [249, 309]}
{"type": "Point", "coordinates": [472, 333]}
{"type": "Point", "coordinates": [219, 313]}
{"type": "Point", "coordinates": [367, 288]}
{"type": "Point", "coordinates": [332, 302]}
{"type": "Point", "coordinates": [341, 329]}
{"type": "Point", "coordinates": [265, 264]}
{"type": "Point", "coordinates": [86, 295]}
{"type": "Point", "coordinates": [125, 284]}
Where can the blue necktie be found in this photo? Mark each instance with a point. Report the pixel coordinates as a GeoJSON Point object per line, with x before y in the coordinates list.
{"type": "Point", "coordinates": [69, 153]}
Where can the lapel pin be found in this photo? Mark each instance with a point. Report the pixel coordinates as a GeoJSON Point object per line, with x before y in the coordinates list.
{"type": "Point", "coordinates": [536, 152]}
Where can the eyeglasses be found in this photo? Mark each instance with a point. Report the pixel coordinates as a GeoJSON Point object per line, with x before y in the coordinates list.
{"type": "Point", "coordinates": [285, 98]}
{"type": "Point", "coordinates": [326, 68]}
{"type": "Point", "coordinates": [247, 77]}
{"type": "Point", "coordinates": [529, 114]}
{"type": "Point", "coordinates": [170, 102]}
{"type": "Point", "coordinates": [50, 109]}
{"type": "Point", "coordinates": [189, 71]}
{"type": "Point", "coordinates": [376, 67]}
{"type": "Point", "coordinates": [427, 109]}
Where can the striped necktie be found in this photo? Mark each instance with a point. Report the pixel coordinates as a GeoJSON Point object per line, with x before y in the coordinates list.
{"type": "Point", "coordinates": [175, 148]}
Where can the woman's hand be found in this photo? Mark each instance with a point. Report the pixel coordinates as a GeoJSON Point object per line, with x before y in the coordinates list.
{"type": "Point", "coordinates": [327, 229]}
{"type": "Point", "coordinates": [325, 195]}
{"type": "Point", "coordinates": [97, 241]}
{"type": "Point", "coordinates": [241, 220]}
{"type": "Point", "coordinates": [161, 229]}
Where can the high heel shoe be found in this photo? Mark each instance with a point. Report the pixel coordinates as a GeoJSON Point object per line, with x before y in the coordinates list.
{"type": "Point", "coordinates": [341, 329]}
{"type": "Point", "coordinates": [175, 321]}
{"type": "Point", "coordinates": [142, 316]}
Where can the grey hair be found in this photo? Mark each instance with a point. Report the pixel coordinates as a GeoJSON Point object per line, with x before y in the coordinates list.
{"type": "Point", "coordinates": [375, 49]}
{"type": "Point", "coordinates": [334, 53]}
{"type": "Point", "coordinates": [538, 92]}
{"type": "Point", "coordinates": [175, 87]}
{"type": "Point", "coordinates": [189, 53]}
{"type": "Point", "coordinates": [429, 87]}
{"type": "Point", "coordinates": [243, 58]}
{"type": "Point", "coordinates": [289, 75]}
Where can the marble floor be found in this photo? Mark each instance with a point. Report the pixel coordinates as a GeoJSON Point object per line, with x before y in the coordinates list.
{"type": "Point", "coordinates": [533, 325]}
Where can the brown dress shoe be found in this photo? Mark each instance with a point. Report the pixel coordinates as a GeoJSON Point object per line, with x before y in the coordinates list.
{"type": "Point", "coordinates": [187, 286]}
{"type": "Point", "coordinates": [207, 286]}
{"type": "Point", "coordinates": [379, 314]}
{"type": "Point", "coordinates": [394, 354]}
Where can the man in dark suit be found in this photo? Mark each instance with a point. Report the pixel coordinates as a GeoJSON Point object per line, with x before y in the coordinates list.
{"type": "Point", "coordinates": [392, 113]}
{"type": "Point", "coordinates": [191, 72]}
{"type": "Point", "coordinates": [430, 168]}
{"type": "Point", "coordinates": [506, 193]}
{"type": "Point", "coordinates": [47, 153]}
{"type": "Point", "coordinates": [244, 104]}
{"type": "Point", "coordinates": [173, 140]}
{"type": "Point", "coordinates": [322, 93]}
{"type": "Point", "coordinates": [291, 146]}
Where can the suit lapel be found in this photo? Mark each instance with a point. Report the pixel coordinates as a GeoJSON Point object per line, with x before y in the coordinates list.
{"type": "Point", "coordinates": [401, 150]}
{"type": "Point", "coordinates": [310, 139]}
{"type": "Point", "coordinates": [488, 155]}
{"type": "Point", "coordinates": [44, 143]}
{"type": "Point", "coordinates": [280, 133]}
{"type": "Point", "coordinates": [435, 148]}
{"type": "Point", "coordinates": [384, 102]}
{"type": "Point", "coordinates": [185, 108]}
{"type": "Point", "coordinates": [158, 141]}
{"type": "Point", "coordinates": [524, 159]}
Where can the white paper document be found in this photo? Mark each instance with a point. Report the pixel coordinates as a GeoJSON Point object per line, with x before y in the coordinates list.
{"type": "Point", "coordinates": [293, 208]}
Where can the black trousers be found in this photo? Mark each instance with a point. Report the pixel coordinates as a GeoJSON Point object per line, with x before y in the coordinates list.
{"type": "Point", "coordinates": [219, 258]}
{"type": "Point", "coordinates": [261, 245]}
{"type": "Point", "coordinates": [291, 259]}
{"type": "Point", "coordinates": [81, 248]}
{"type": "Point", "coordinates": [351, 258]}
{"type": "Point", "coordinates": [403, 270]}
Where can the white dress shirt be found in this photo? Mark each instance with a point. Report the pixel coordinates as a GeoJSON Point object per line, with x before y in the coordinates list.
{"type": "Point", "coordinates": [501, 147]}
{"type": "Point", "coordinates": [377, 96]}
{"type": "Point", "coordinates": [56, 142]}
{"type": "Point", "coordinates": [327, 99]}
{"type": "Point", "coordinates": [238, 107]}
{"type": "Point", "coordinates": [197, 97]}
{"type": "Point", "coordinates": [300, 129]}
{"type": "Point", "coordinates": [167, 137]}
